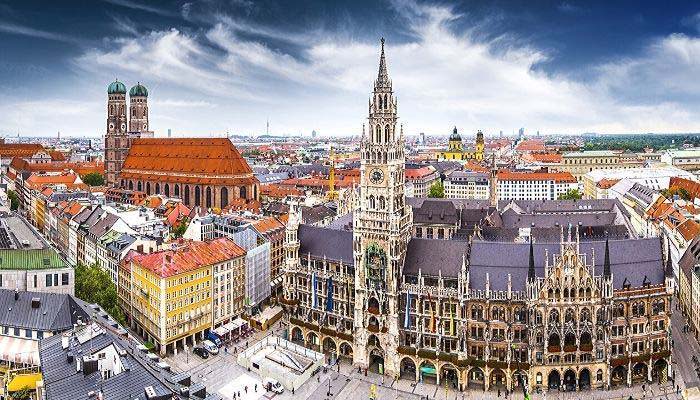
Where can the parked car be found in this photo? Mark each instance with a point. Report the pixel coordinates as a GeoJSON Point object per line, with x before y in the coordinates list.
{"type": "Point", "coordinates": [201, 351]}
{"type": "Point", "coordinates": [210, 347]}
{"type": "Point", "coordinates": [214, 338]}
{"type": "Point", "coordinates": [273, 385]}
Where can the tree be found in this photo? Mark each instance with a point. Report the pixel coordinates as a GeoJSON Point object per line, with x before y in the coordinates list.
{"type": "Point", "coordinates": [437, 190]}
{"type": "Point", "coordinates": [179, 229]}
{"type": "Point", "coordinates": [571, 194]}
{"type": "Point", "coordinates": [94, 285]}
{"type": "Point", "coordinates": [14, 200]}
{"type": "Point", "coordinates": [93, 179]}
{"type": "Point", "coordinates": [680, 192]}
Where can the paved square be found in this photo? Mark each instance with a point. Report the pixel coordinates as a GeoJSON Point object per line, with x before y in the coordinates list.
{"type": "Point", "coordinates": [245, 386]}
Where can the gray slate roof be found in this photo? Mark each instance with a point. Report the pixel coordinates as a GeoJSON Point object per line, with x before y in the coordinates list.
{"type": "Point", "coordinates": [56, 312]}
{"type": "Point", "coordinates": [431, 255]}
{"type": "Point", "coordinates": [334, 244]}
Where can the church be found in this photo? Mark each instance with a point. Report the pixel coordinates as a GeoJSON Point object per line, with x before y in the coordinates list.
{"type": "Point", "coordinates": [204, 172]}
{"type": "Point", "coordinates": [525, 295]}
{"type": "Point", "coordinates": [456, 152]}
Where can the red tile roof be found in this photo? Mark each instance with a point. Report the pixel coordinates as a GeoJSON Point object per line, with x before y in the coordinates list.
{"type": "Point", "coordinates": [545, 157]}
{"type": "Point", "coordinates": [278, 192]}
{"type": "Point", "coordinates": [559, 177]}
{"type": "Point", "coordinates": [692, 187]}
{"type": "Point", "coordinates": [607, 183]}
{"type": "Point", "coordinates": [191, 256]}
{"type": "Point", "coordinates": [268, 224]}
{"type": "Point", "coordinates": [418, 173]}
{"type": "Point", "coordinates": [531, 145]}
{"type": "Point", "coordinates": [82, 168]}
{"type": "Point", "coordinates": [199, 156]}
{"type": "Point", "coordinates": [8, 150]}
{"type": "Point", "coordinates": [36, 181]}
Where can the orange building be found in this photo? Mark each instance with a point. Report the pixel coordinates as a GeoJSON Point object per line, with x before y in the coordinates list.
{"type": "Point", "coordinates": [205, 172]}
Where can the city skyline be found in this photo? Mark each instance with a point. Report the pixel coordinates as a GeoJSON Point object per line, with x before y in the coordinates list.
{"type": "Point", "coordinates": [214, 68]}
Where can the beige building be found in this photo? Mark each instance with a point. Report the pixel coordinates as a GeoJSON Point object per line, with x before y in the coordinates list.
{"type": "Point", "coordinates": [578, 163]}
{"type": "Point", "coordinates": [467, 185]}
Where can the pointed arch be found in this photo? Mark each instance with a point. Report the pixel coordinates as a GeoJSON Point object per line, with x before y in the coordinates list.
{"type": "Point", "coordinates": [157, 188]}
{"type": "Point", "coordinates": [208, 197]}
{"type": "Point", "coordinates": [243, 191]}
{"type": "Point", "coordinates": [187, 195]}
{"type": "Point", "coordinates": [197, 196]}
{"type": "Point", "coordinates": [148, 187]}
{"type": "Point", "coordinates": [387, 133]}
{"type": "Point", "coordinates": [139, 186]}
{"type": "Point", "coordinates": [223, 199]}
{"type": "Point", "coordinates": [167, 190]}
{"type": "Point", "coordinates": [177, 190]}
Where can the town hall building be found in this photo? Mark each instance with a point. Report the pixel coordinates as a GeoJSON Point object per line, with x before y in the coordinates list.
{"type": "Point", "coordinates": [534, 294]}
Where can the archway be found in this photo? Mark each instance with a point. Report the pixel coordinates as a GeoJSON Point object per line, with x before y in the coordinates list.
{"type": "Point", "coordinates": [497, 380]}
{"type": "Point", "coordinates": [428, 373]}
{"type": "Point", "coordinates": [312, 341]}
{"type": "Point", "coordinates": [584, 379]}
{"type": "Point", "coordinates": [640, 372]}
{"type": "Point", "coordinates": [519, 379]}
{"type": "Point", "coordinates": [475, 378]}
{"type": "Point", "coordinates": [407, 368]}
{"type": "Point", "coordinates": [297, 336]}
{"type": "Point", "coordinates": [329, 346]}
{"type": "Point", "coordinates": [569, 380]}
{"type": "Point", "coordinates": [659, 373]}
{"type": "Point", "coordinates": [376, 361]}
{"type": "Point", "coordinates": [618, 376]}
{"type": "Point", "coordinates": [345, 350]}
{"type": "Point", "coordinates": [449, 375]}
{"type": "Point", "coordinates": [554, 379]}
{"type": "Point", "coordinates": [131, 185]}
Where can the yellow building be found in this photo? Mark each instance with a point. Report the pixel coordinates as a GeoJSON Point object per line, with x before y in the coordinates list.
{"type": "Point", "coordinates": [455, 150]}
{"type": "Point", "coordinates": [172, 292]}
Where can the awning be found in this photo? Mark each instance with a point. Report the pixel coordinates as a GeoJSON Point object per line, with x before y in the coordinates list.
{"type": "Point", "coordinates": [221, 331]}
{"type": "Point", "coordinates": [19, 351]}
{"type": "Point", "coordinates": [19, 382]}
{"type": "Point", "coordinates": [276, 281]}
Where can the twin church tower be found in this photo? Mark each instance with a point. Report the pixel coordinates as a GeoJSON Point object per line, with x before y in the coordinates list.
{"type": "Point", "coordinates": [118, 137]}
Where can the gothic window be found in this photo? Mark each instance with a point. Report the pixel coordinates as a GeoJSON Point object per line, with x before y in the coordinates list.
{"type": "Point", "coordinates": [255, 192]}
{"type": "Point", "coordinates": [382, 203]}
{"type": "Point", "coordinates": [148, 187]}
{"type": "Point", "coordinates": [569, 316]}
{"type": "Point", "coordinates": [618, 310]}
{"type": "Point", "coordinates": [138, 186]}
{"type": "Point", "coordinates": [197, 196]}
{"type": "Point", "coordinates": [224, 197]}
{"type": "Point", "coordinates": [554, 340]}
{"type": "Point", "coordinates": [243, 193]}
{"type": "Point", "coordinates": [177, 190]}
{"type": "Point", "coordinates": [477, 312]}
{"type": "Point", "coordinates": [371, 202]}
{"type": "Point", "coordinates": [167, 190]}
{"type": "Point", "coordinates": [554, 316]}
{"type": "Point", "coordinates": [133, 112]}
{"type": "Point", "coordinates": [387, 132]}
{"type": "Point", "coordinates": [586, 315]}
{"type": "Point", "coordinates": [538, 317]}
{"type": "Point", "coordinates": [131, 185]}
{"type": "Point", "coordinates": [585, 339]}
{"type": "Point", "coordinates": [111, 110]}
{"type": "Point", "coordinates": [157, 188]}
{"type": "Point", "coordinates": [386, 102]}
{"type": "Point", "coordinates": [379, 134]}
{"type": "Point", "coordinates": [187, 195]}
{"type": "Point", "coordinates": [208, 197]}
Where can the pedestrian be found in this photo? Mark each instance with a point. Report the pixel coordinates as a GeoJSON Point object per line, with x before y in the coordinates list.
{"type": "Point", "coordinates": [499, 392]}
{"type": "Point", "coordinates": [292, 390]}
{"type": "Point", "coordinates": [239, 395]}
{"type": "Point", "coordinates": [318, 378]}
{"type": "Point", "coordinates": [246, 389]}
{"type": "Point", "coordinates": [256, 388]}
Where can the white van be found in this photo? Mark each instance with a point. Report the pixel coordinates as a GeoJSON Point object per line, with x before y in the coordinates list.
{"type": "Point", "coordinates": [210, 346]}
{"type": "Point", "coordinates": [273, 386]}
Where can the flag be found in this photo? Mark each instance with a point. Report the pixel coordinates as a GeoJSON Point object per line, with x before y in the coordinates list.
{"type": "Point", "coordinates": [329, 295]}
{"type": "Point", "coordinates": [406, 318]}
{"type": "Point", "coordinates": [314, 299]}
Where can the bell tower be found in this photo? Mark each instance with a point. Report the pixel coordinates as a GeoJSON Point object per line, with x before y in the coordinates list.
{"type": "Point", "coordinates": [382, 229]}
{"type": "Point", "coordinates": [138, 109]}
{"type": "Point", "coordinates": [116, 138]}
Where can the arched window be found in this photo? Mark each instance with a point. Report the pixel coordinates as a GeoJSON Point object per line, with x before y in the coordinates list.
{"type": "Point", "coordinates": [138, 186]}
{"type": "Point", "coordinates": [386, 102]}
{"type": "Point", "coordinates": [371, 202]}
{"type": "Point", "coordinates": [223, 199]}
{"type": "Point", "coordinates": [177, 190]}
{"type": "Point", "coordinates": [187, 195]}
{"type": "Point", "coordinates": [197, 196]}
{"type": "Point", "coordinates": [167, 190]}
{"type": "Point", "coordinates": [387, 132]}
{"type": "Point", "coordinates": [381, 102]}
{"type": "Point", "coordinates": [243, 192]}
{"type": "Point", "coordinates": [131, 185]}
{"type": "Point", "coordinates": [382, 202]}
{"type": "Point", "coordinates": [157, 188]}
{"type": "Point", "coordinates": [148, 187]}
{"type": "Point", "coordinates": [208, 197]}
{"type": "Point", "coordinates": [379, 134]}
{"type": "Point", "coordinates": [255, 192]}
{"type": "Point", "coordinates": [554, 316]}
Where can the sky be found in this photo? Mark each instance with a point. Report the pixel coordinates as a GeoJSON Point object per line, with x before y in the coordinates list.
{"type": "Point", "coordinates": [218, 67]}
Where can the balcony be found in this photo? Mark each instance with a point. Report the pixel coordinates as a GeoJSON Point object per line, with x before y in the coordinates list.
{"type": "Point", "coordinates": [571, 348]}
{"type": "Point", "coordinates": [553, 349]}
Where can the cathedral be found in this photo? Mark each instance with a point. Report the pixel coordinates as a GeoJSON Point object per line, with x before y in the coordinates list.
{"type": "Point", "coordinates": [568, 299]}
{"type": "Point", "coordinates": [456, 152]}
{"type": "Point", "coordinates": [203, 172]}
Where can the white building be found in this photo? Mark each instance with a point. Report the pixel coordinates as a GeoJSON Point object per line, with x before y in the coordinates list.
{"type": "Point", "coordinates": [688, 159]}
{"type": "Point", "coordinates": [533, 185]}
{"type": "Point", "coordinates": [596, 183]}
{"type": "Point", "coordinates": [467, 185]}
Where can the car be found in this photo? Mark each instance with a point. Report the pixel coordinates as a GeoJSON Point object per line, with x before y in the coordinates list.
{"type": "Point", "coordinates": [273, 385]}
{"type": "Point", "coordinates": [201, 351]}
{"type": "Point", "coordinates": [210, 347]}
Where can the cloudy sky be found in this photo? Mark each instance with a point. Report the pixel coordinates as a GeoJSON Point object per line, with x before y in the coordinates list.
{"type": "Point", "coordinates": [213, 67]}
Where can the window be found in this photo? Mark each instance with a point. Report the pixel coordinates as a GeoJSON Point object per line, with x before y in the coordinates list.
{"type": "Point", "coordinates": [16, 332]}
{"type": "Point", "coordinates": [64, 278]}
{"type": "Point", "coordinates": [36, 278]}
{"type": "Point", "coordinates": [28, 333]}
{"type": "Point", "coordinates": [0, 280]}
{"type": "Point", "coordinates": [49, 281]}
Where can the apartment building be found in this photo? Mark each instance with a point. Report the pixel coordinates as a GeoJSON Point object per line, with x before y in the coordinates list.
{"type": "Point", "coordinates": [578, 163]}
{"type": "Point", "coordinates": [467, 185]}
{"type": "Point", "coordinates": [533, 185]}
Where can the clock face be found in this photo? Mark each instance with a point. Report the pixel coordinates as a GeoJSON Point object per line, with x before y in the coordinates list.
{"type": "Point", "coordinates": [376, 176]}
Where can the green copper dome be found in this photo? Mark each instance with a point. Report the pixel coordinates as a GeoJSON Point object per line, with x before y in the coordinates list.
{"type": "Point", "coordinates": [455, 136]}
{"type": "Point", "coordinates": [116, 87]}
{"type": "Point", "coordinates": [138, 90]}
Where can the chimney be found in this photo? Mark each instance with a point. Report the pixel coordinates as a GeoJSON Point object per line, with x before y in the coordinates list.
{"type": "Point", "coordinates": [36, 302]}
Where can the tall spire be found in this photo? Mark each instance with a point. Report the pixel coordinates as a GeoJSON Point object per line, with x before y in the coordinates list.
{"type": "Point", "coordinates": [606, 263]}
{"type": "Point", "coordinates": [531, 268]}
{"type": "Point", "coordinates": [383, 76]}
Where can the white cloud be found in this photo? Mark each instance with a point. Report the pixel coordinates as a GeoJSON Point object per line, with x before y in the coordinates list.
{"type": "Point", "coordinates": [15, 29]}
{"type": "Point", "coordinates": [219, 79]}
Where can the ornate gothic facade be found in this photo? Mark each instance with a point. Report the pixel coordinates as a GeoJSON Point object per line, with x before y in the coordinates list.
{"type": "Point", "coordinates": [479, 311]}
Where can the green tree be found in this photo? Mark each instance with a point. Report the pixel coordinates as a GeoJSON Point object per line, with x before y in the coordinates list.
{"type": "Point", "coordinates": [571, 194]}
{"type": "Point", "coordinates": [14, 200]}
{"type": "Point", "coordinates": [681, 192]}
{"type": "Point", "coordinates": [93, 179]}
{"type": "Point", "coordinates": [94, 285]}
{"type": "Point", "coordinates": [437, 190]}
{"type": "Point", "coordinates": [23, 394]}
{"type": "Point", "coordinates": [179, 229]}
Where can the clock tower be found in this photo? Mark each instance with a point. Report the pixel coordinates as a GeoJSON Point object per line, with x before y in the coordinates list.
{"type": "Point", "coordinates": [382, 229]}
